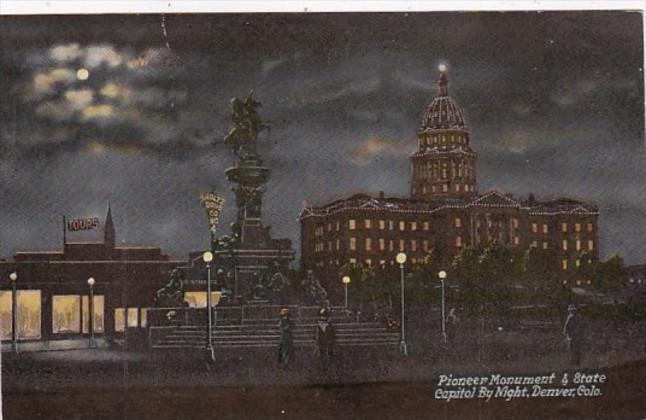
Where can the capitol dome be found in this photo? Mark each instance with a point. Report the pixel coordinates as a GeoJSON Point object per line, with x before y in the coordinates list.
{"type": "Point", "coordinates": [443, 112]}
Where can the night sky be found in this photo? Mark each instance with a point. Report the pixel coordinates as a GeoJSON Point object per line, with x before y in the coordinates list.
{"type": "Point", "coordinates": [99, 109]}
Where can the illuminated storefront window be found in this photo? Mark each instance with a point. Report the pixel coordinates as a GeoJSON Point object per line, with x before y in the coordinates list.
{"type": "Point", "coordinates": [98, 314]}
{"type": "Point", "coordinates": [66, 314]}
{"type": "Point", "coordinates": [5, 315]}
{"type": "Point", "coordinates": [198, 299]}
{"type": "Point", "coordinates": [132, 317]}
{"type": "Point", "coordinates": [144, 317]}
{"type": "Point", "coordinates": [29, 316]}
{"type": "Point", "coordinates": [119, 320]}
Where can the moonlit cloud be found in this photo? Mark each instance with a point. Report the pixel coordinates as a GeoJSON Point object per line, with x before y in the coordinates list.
{"type": "Point", "coordinates": [66, 52]}
{"type": "Point", "coordinates": [373, 146]}
{"type": "Point", "coordinates": [97, 112]}
{"type": "Point", "coordinates": [45, 82]}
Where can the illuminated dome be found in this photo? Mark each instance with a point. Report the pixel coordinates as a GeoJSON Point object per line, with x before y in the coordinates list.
{"type": "Point", "coordinates": [443, 112]}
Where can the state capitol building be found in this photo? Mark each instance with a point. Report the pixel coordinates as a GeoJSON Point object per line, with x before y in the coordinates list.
{"type": "Point", "coordinates": [444, 211]}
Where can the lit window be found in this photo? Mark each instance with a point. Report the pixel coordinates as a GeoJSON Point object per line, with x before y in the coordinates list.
{"type": "Point", "coordinates": [516, 240]}
{"type": "Point", "coordinates": [367, 223]}
{"type": "Point", "coordinates": [457, 187]}
{"type": "Point", "coordinates": [98, 313]}
{"type": "Point", "coordinates": [514, 223]}
{"type": "Point", "coordinates": [577, 262]}
{"type": "Point", "coordinates": [413, 245]}
{"type": "Point", "coordinates": [6, 302]}
{"type": "Point", "coordinates": [329, 227]}
{"type": "Point", "coordinates": [352, 224]}
{"type": "Point", "coordinates": [425, 245]}
{"type": "Point", "coordinates": [382, 224]}
{"type": "Point", "coordinates": [445, 187]}
{"type": "Point", "coordinates": [402, 225]}
{"type": "Point", "coordinates": [193, 299]}
{"type": "Point", "coordinates": [577, 227]}
{"type": "Point", "coordinates": [382, 244]}
{"type": "Point", "coordinates": [133, 314]}
{"type": "Point", "coordinates": [534, 244]}
{"type": "Point", "coordinates": [29, 315]}
{"type": "Point", "coordinates": [368, 262]}
{"type": "Point", "coordinates": [458, 222]}
{"type": "Point", "coordinates": [544, 245]}
{"type": "Point", "coordinates": [353, 244]}
{"type": "Point", "coordinates": [144, 317]}
{"type": "Point", "coordinates": [590, 245]}
{"type": "Point", "coordinates": [544, 227]}
{"type": "Point", "coordinates": [564, 227]}
{"type": "Point", "coordinates": [401, 245]}
{"type": "Point", "coordinates": [338, 225]}
{"type": "Point", "coordinates": [564, 245]}
{"type": "Point", "coordinates": [413, 225]}
{"type": "Point", "coordinates": [563, 264]}
{"type": "Point", "coordinates": [353, 260]}
{"type": "Point", "coordinates": [119, 320]}
{"type": "Point", "coordinates": [368, 244]}
{"type": "Point", "coordinates": [338, 244]}
{"type": "Point", "coordinates": [589, 227]}
{"type": "Point", "coordinates": [425, 226]}
{"type": "Point", "coordinates": [66, 314]}
{"type": "Point", "coordinates": [391, 225]}
{"type": "Point", "coordinates": [534, 227]}
{"type": "Point", "coordinates": [578, 245]}
{"type": "Point", "coordinates": [458, 241]}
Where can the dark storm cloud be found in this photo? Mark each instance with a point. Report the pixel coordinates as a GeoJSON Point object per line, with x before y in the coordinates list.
{"type": "Point", "coordinates": [554, 102]}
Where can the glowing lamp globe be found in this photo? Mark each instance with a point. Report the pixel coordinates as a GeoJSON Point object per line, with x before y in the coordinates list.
{"type": "Point", "coordinates": [442, 67]}
{"type": "Point", "coordinates": [207, 257]}
{"type": "Point", "coordinates": [13, 276]}
{"type": "Point", "coordinates": [91, 281]}
{"type": "Point", "coordinates": [442, 274]}
{"type": "Point", "coordinates": [400, 258]}
{"type": "Point", "coordinates": [346, 279]}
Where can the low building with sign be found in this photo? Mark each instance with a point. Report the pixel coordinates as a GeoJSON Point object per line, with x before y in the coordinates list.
{"type": "Point", "coordinates": [52, 288]}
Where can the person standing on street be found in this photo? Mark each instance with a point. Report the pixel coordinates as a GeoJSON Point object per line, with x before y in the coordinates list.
{"type": "Point", "coordinates": [573, 330]}
{"type": "Point", "coordinates": [325, 338]}
{"type": "Point", "coordinates": [286, 346]}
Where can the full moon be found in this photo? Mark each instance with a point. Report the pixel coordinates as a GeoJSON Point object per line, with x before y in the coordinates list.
{"type": "Point", "coordinates": [82, 74]}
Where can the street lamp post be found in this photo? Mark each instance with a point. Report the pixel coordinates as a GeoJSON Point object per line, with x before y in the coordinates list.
{"type": "Point", "coordinates": [90, 283]}
{"type": "Point", "coordinates": [346, 281]}
{"type": "Point", "coordinates": [442, 276]}
{"type": "Point", "coordinates": [14, 312]}
{"type": "Point", "coordinates": [401, 259]}
{"type": "Point", "coordinates": [210, 354]}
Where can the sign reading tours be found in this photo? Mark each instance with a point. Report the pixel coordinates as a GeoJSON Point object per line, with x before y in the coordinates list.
{"type": "Point", "coordinates": [82, 223]}
{"type": "Point", "coordinates": [212, 203]}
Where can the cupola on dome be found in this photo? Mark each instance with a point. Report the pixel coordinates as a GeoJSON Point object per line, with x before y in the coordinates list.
{"type": "Point", "coordinates": [443, 112]}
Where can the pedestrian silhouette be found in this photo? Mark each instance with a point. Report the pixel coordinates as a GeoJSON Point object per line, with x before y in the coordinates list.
{"type": "Point", "coordinates": [574, 330]}
{"type": "Point", "coordinates": [325, 338]}
{"type": "Point", "coordinates": [286, 345]}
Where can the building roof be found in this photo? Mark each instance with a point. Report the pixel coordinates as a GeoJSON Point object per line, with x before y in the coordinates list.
{"type": "Point", "coordinates": [492, 199]}
{"type": "Point", "coordinates": [443, 112]}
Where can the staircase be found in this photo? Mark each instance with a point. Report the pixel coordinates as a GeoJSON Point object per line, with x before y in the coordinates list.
{"type": "Point", "coordinates": [265, 333]}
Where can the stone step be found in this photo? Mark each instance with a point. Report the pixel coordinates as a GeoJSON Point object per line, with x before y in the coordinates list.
{"type": "Point", "coordinates": [225, 346]}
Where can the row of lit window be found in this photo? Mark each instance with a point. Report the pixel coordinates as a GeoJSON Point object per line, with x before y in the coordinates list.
{"type": "Point", "coordinates": [367, 224]}
{"type": "Point", "coordinates": [577, 227]}
{"type": "Point", "coordinates": [455, 138]}
{"type": "Point", "coordinates": [445, 188]}
{"type": "Point", "coordinates": [401, 244]}
{"type": "Point", "coordinates": [577, 245]}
